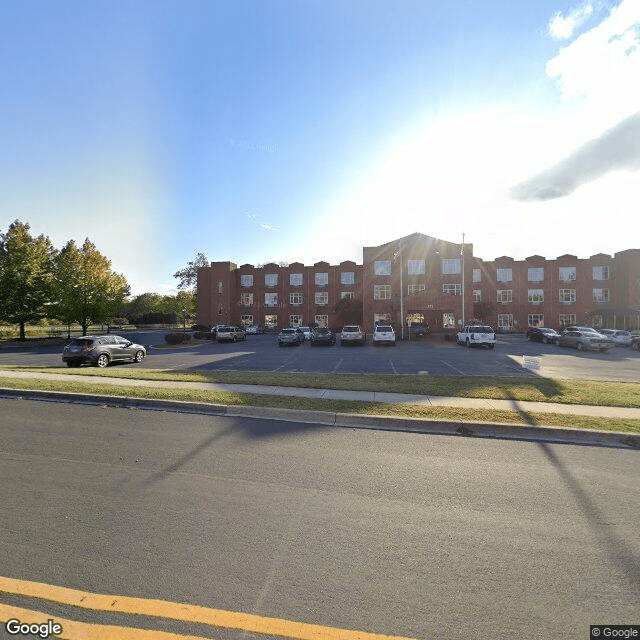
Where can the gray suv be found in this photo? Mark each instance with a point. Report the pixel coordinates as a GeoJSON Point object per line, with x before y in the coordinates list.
{"type": "Point", "coordinates": [100, 351]}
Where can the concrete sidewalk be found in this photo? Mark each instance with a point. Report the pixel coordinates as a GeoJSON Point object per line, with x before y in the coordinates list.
{"type": "Point", "coordinates": [361, 396]}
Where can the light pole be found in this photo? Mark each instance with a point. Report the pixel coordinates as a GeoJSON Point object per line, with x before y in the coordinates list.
{"type": "Point", "coordinates": [462, 254]}
{"type": "Point", "coordinates": [401, 297]}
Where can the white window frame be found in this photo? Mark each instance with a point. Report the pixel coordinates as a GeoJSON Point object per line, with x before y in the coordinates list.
{"type": "Point", "coordinates": [535, 296]}
{"type": "Point", "coordinates": [270, 299]}
{"type": "Point", "coordinates": [477, 276]}
{"type": "Point", "coordinates": [535, 274]}
{"type": "Point", "coordinates": [477, 295]}
{"type": "Point", "coordinates": [535, 319]}
{"type": "Point", "coordinates": [322, 298]}
{"type": "Point", "coordinates": [296, 298]}
{"type": "Point", "coordinates": [451, 266]}
{"type": "Point", "coordinates": [416, 267]}
{"type": "Point", "coordinates": [505, 320]}
{"type": "Point", "coordinates": [567, 319]}
{"type": "Point", "coordinates": [295, 279]}
{"type": "Point", "coordinates": [505, 274]}
{"type": "Point", "coordinates": [567, 296]}
{"type": "Point", "coordinates": [295, 320]}
{"type": "Point", "coordinates": [602, 295]}
{"type": "Point", "coordinates": [452, 288]}
{"type": "Point", "coordinates": [270, 280]}
{"type": "Point", "coordinates": [346, 295]}
{"type": "Point", "coordinates": [322, 279]}
{"type": "Point", "coordinates": [322, 321]}
{"type": "Point", "coordinates": [504, 296]}
{"type": "Point", "coordinates": [448, 321]}
{"type": "Point", "coordinates": [414, 289]}
{"type": "Point", "coordinates": [246, 319]}
{"type": "Point", "coordinates": [382, 292]}
{"type": "Point", "coordinates": [246, 280]}
{"type": "Point", "coordinates": [347, 277]}
{"type": "Point", "coordinates": [382, 268]}
{"type": "Point", "coordinates": [567, 274]}
{"type": "Point", "coordinates": [246, 299]}
{"type": "Point", "coordinates": [601, 273]}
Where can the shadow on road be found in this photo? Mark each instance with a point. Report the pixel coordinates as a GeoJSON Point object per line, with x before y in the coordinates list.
{"type": "Point", "coordinates": [619, 552]}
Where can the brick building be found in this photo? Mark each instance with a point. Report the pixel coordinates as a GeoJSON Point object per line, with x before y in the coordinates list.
{"type": "Point", "coordinates": [440, 283]}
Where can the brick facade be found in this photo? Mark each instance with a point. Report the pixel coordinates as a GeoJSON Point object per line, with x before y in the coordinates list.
{"type": "Point", "coordinates": [510, 295]}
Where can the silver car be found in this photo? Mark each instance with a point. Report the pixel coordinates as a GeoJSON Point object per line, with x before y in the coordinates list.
{"type": "Point", "coordinates": [620, 338]}
{"type": "Point", "coordinates": [230, 334]}
{"type": "Point", "coordinates": [585, 338]}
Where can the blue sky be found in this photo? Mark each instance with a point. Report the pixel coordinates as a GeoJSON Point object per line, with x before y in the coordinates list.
{"type": "Point", "coordinates": [304, 130]}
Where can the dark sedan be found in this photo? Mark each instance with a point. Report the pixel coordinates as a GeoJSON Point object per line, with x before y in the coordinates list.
{"type": "Point", "coordinates": [322, 336]}
{"type": "Point", "coordinates": [543, 334]}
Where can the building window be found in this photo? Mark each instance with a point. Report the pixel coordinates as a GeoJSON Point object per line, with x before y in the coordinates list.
{"type": "Point", "coordinates": [597, 321]}
{"type": "Point", "coordinates": [535, 319]}
{"type": "Point", "coordinates": [270, 299]}
{"type": "Point", "coordinates": [322, 297]}
{"type": "Point", "coordinates": [347, 277]}
{"type": "Point", "coordinates": [536, 296]}
{"type": "Point", "coordinates": [535, 274]}
{"type": "Point", "coordinates": [271, 322]}
{"type": "Point", "coordinates": [382, 292]}
{"type": "Point", "coordinates": [567, 319]}
{"type": "Point", "coordinates": [295, 298]}
{"type": "Point", "coordinates": [477, 275]}
{"type": "Point", "coordinates": [413, 289]}
{"type": "Point", "coordinates": [505, 321]}
{"type": "Point", "coordinates": [295, 279]}
{"type": "Point", "coordinates": [270, 279]}
{"type": "Point", "coordinates": [322, 321]}
{"type": "Point", "coordinates": [381, 318]}
{"type": "Point", "coordinates": [601, 273]}
{"type": "Point", "coordinates": [246, 281]}
{"type": "Point", "coordinates": [455, 289]}
{"type": "Point", "coordinates": [245, 320]}
{"type": "Point", "coordinates": [295, 321]}
{"type": "Point", "coordinates": [322, 279]}
{"type": "Point", "coordinates": [448, 321]}
{"type": "Point", "coordinates": [450, 265]}
{"type": "Point", "coordinates": [477, 295]}
{"type": "Point", "coordinates": [567, 296]}
{"type": "Point", "coordinates": [601, 295]}
{"type": "Point", "coordinates": [567, 274]}
{"type": "Point", "coordinates": [246, 299]}
{"type": "Point", "coordinates": [382, 268]}
{"type": "Point", "coordinates": [346, 295]}
{"type": "Point", "coordinates": [504, 275]}
{"type": "Point", "coordinates": [505, 296]}
{"type": "Point", "coordinates": [416, 267]}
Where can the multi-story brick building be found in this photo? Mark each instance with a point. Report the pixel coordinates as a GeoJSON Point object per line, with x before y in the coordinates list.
{"type": "Point", "coordinates": [427, 280]}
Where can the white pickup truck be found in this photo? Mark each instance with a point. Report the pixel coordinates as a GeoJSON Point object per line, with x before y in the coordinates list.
{"type": "Point", "coordinates": [473, 335]}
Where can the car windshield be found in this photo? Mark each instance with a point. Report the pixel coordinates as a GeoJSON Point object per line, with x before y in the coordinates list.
{"type": "Point", "coordinates": [351, 329]}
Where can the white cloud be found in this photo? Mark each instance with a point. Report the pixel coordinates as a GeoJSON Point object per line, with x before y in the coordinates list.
{"type": "Point", "coordinates": [563, 27]}
{"type": "Point", "coordinates": [268, 227]}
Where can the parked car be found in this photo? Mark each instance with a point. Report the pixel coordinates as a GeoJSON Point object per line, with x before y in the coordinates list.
{"type": "Point", "coordinates": [352, 334]}
{"type": "Point", "coordinates": [100, 351]}
{"type": "Point", "coordinates": [635, 343]}
{"type": "Point", "coordinates": [229, 333]}
{"type": "Point", "coordinates": [620, 338]}
{"type": "Point", "coordinates": [290, 335]}
{"type": "Point", "coordinates": [419, 330]}
{"type": "Point", "coordinates": [307, 332]}
{"type": "Point", "coordinates": [384, 334]}
{"type": "Point", "coordinates": [585, 338]}
{"type": "Point", "coordinates": [543, 334]}
{"type": "Point", "coordinates": [322, 335]}
{"type": "Point", "coordinates": [477, 335]}
{"type": "Point", "coordinates": [254, 328]}
{"type": "Point", "coordinates": [214, 329]}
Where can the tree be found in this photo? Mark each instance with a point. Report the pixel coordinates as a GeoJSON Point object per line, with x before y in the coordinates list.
{"type": "Point", "coordinates": [349, 311]}
{"type": "Point", "coordinates": [189, 275]}
{"type": "Point", "coordinates": [87, 290]}
{"type": "Point", "coordinates": [26, 276]}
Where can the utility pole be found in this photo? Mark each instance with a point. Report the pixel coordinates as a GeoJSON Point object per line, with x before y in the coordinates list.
{"type": "Point", "coordinates": [401, 296]}
{"type": "Point", "coordinates": [462, 254]}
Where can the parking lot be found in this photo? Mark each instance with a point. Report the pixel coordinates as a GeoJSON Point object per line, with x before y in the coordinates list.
{"type": "Point", "coordinates": [431, 356]}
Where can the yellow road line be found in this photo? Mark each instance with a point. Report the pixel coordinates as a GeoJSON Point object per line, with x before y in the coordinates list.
{"type": "Point", "coordinates": [72, 630]}
{"type": "Point", "coordinates": [185, 612]}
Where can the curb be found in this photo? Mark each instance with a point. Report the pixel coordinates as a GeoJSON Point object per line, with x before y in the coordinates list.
{"type": "Point", "coordinates": [558, 435]}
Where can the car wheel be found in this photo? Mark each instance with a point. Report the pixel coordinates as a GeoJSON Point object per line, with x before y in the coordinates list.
{"type": "Point", "coordinates": [544, 340]}
{"type": "Point", "coordinates": [491, 346]}
{"type": "Point", "coordinates": [102, 361]}
{"type": "Point", "coordinates": [579, 346]}
{"type": "Point", "coordinates": [636, 346]}
{"type": "Point", "coordinates": [468, 343]}
{"type": "Point", "coordinates": [139, 357]}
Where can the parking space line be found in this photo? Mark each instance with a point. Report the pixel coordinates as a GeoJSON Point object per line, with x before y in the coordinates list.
{"type": "Point", "coordinates": [336, 367]}
{"type": "Point", "coordinates": [394, 369]}
{"type": "Point", "coordinates": [462, 373]}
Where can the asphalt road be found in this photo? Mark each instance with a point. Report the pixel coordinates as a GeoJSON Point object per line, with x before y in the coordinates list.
{"type": "Point", "coordinates": [394, 533]}
{"type": "Point", "coordinates": [431, 356]}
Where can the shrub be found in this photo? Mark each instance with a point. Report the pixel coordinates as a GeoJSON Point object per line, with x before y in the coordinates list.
{"type": "Point", "coordinates": [119, 321]}
{"type": "Point", "coordinates": [203, 335]}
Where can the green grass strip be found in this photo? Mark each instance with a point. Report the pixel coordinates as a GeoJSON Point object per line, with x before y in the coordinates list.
{"type": "Point", "coordinates": [334, 406]}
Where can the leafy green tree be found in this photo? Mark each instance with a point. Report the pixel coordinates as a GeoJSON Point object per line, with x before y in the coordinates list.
{"type": "Point", "coordinates": [348, 311]}
{"type": "Point", "coordinates": [189, 275]}
{"type": "Point", "coordinates": [88, 292]}
{"type": "Point", "coordinates": [26, 276]}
